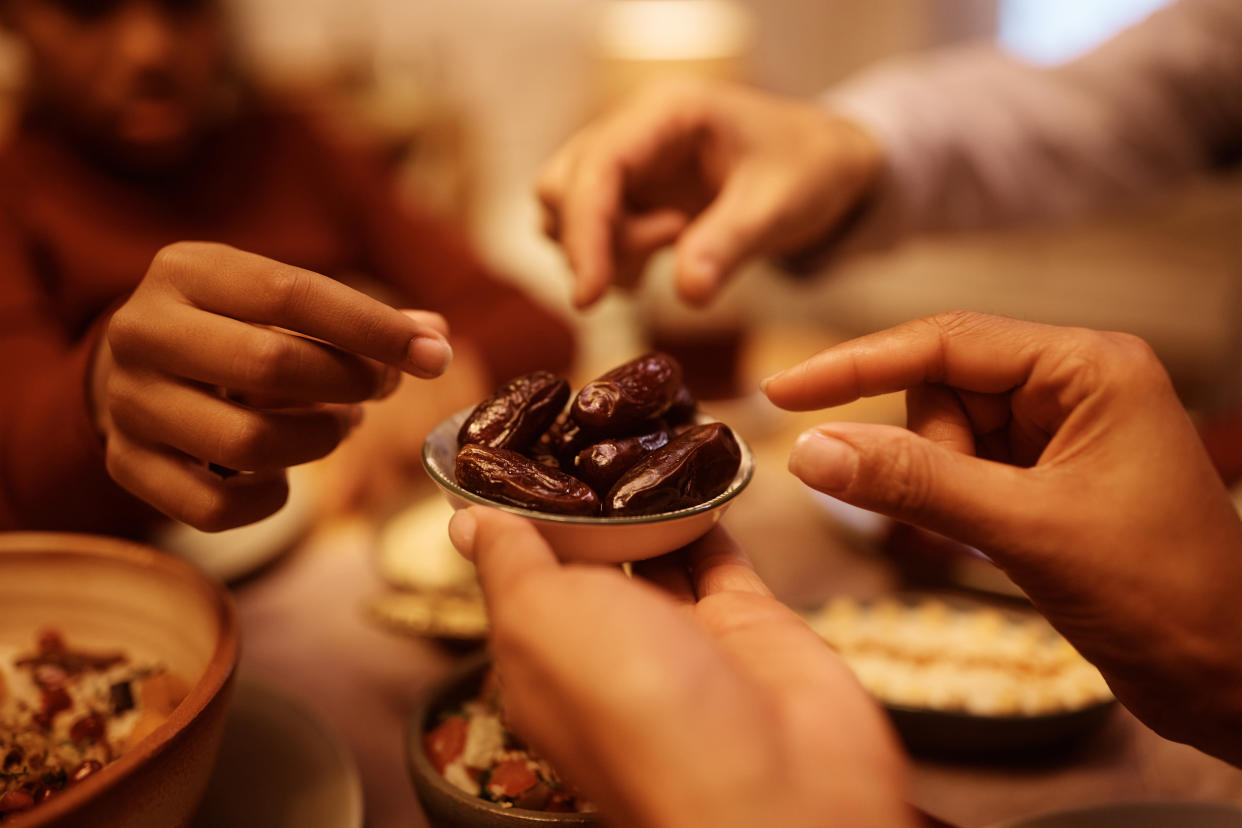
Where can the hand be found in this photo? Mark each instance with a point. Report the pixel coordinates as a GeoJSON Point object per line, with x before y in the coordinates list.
{"type": "Point", "coordinates": [227, 358]}
{"type": "Point", "coordinates": [700, 702]}
{"type": "Point", "coordinates": [383, 457]}
{"type": "Point", "coordinates": [1065, 455]}
{"type": "Point", "coordinates": [727, 172]}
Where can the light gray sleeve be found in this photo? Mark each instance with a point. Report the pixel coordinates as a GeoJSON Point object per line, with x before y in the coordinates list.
{"type": "Point", "coordinates": [976, 138]}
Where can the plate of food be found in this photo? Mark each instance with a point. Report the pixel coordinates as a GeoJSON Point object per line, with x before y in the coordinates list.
{"type": "Point", "coordinates": [470, 771]}
{"type": "Point", "coordinates": [626, 469]}
{"type": "Point", "coordinates": [964, 677]}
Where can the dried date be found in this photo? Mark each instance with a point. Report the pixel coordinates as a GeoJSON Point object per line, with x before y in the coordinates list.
{"type": "Point", "coordinates": [682, 409]}
{"type": "Point", "coordinates": [517, 413]}
{"type": "Point", "coordinates": [560, 443]}
{"type": "Point", "coordinates": [693, 468]}
{"type": "Point", "coordinates": [509, 477]}
{"type": "Point", "coordinates": [601, 465]}
{"type": "Point", "coordinates": [622, 399]}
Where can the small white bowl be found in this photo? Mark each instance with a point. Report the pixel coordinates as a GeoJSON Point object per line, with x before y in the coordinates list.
{"type": "Point", "coordinates": [594, 539]}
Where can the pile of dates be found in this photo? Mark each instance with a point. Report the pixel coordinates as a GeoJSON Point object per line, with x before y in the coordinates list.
{"type": "Point", "coordinates": [625, 445]}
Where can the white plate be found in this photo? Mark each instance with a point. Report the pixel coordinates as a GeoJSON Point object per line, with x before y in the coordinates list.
{"type": "Point", "coordinates": [413, 550]}
{"type": "Point", "coordinates": [279, 766]}
{"type": "Point", "coordinates": [238, 552]}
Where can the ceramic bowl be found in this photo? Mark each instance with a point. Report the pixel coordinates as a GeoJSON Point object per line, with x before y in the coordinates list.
{"type": "Point", "coordinates": [107, 594]}
{"type": "Point", "coordinates": [594, 539]}
{"type": "Point", "coordinates": [445, 804]}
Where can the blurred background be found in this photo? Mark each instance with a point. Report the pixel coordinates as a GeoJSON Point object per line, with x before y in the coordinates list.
{"type": "Point", "coordinates": [470, 97]}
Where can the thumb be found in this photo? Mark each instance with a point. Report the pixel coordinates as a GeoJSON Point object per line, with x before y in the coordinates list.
{"type": "Point", "coordinates": [728, 231]}
{"type": "Point", "coordinates": [898, 473]}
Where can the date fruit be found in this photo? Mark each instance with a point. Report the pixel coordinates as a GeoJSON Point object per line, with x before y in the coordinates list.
{"type": "Point", "coordinates": [682, 409]}
{"type": "Point", "coordinates": [601, 465]}
{"type": "Point", "coordinates": [512, 478]}
{"type": "Point", "coordinates": [560, 443]}
{"type": "Point", "coordinates": [517, 413]}
{"type": "Point", "coordinates": [622, 399]}
{"type": "Point", "coordinates": [691, 469]}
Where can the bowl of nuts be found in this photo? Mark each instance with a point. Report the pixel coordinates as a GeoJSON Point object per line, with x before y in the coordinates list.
{"type": "Point", "coordinates": [624, 470]}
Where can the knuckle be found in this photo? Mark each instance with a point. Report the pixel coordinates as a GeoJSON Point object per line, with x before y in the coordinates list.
{"type": "Point", "coordinates": [124, 399]}
{"type": "Point", "coordinates": [125, 335]}
{"type": "Point", "coordinates": [177, 260]}
{"type": "Point", "coordinates": [265, 363]}
{"type": "Point", "coordinates": [1133, 356]}
{"type": "Point", "coordinates": [288, 288]}
{"type": "Point", "coordinates": [210, 510]}
{"type": "Point", "coordinates": [218, 507]}
{"type": "Point", "coordinates": [905, 474]}
{"type": "Point", "coordinates": [947, 326]}
{"type": "Point", "coordinates": [116, 463]}
{"type": "Point", "coordinates": [170, 258]}
{"type": "Point", "coordinates": [953, 323]}
{"type": "Point", "coordinates": [245, 443]}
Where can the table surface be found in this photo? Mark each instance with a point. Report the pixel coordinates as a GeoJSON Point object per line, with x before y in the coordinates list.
{"type": "Point", "coordinates": [305, 632]}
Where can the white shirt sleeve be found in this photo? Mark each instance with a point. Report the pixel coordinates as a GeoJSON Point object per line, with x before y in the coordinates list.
{"type": "Point", "coordinates": [975, 137]}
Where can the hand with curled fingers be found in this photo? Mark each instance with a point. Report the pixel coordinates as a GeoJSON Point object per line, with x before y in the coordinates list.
{"type": "Point", "coordinates": [225, 361]}
{"type": "Point", "coordinates": [1065, 455]}
{"type": "Point", "coordinates": [724, 171]}
{"type": "Point", "coordinates": [686, 696]}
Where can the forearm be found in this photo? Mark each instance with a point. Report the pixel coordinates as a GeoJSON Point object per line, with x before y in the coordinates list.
{"type": "Point", "coordinates": [976, 138]}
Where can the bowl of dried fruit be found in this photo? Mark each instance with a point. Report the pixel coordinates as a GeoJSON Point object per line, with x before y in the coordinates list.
{"type": "Point", "coordinates": [470, 771]}
{"type": "Point", "coordinates": [116, 663]}
{"type": "Point", "coordinates": [624, 470]}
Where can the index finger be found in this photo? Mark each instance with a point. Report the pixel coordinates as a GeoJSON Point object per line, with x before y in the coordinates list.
{"type": "Point", "coordinates": [256, 289]}
{"type": "Point", "coordinates": [970, 351]}
{"type": "Point", "coordinates": [592, 190]}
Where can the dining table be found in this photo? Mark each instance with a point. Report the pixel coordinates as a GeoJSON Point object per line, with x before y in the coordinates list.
{"type": "Point", "coordinates": [306, 631]}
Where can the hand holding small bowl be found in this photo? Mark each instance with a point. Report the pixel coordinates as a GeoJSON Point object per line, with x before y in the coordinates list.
{"type": "Point", "coordinates": [670, 472]}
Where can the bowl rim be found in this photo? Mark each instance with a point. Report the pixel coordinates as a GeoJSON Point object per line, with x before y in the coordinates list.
{"type": "Point", "coordinates": [741, 479]}
{"type": "Point", "coordinates": [216, 677]}
{"type": "Point", "coordinates": [470, 670]}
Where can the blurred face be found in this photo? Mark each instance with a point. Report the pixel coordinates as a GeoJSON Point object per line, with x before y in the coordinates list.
{"type": "Point", "coordinates": [139, 75]}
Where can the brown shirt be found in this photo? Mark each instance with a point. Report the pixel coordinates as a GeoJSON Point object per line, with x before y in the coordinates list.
{"type": "Point", "coordinates": [77, 236]}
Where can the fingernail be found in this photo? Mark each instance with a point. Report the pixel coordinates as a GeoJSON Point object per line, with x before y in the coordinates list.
{"type": "Point", "coordinates": [430, 356]}
{"type": "Point", "coordinates": [823, 462]}
{"type": "Point", "coordinates": [461, 532]}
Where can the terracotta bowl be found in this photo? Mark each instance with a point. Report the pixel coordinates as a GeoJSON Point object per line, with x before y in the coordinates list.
{"type": "Point", "coordinates": [108, 594]}
{"type": "Point", "coordinates": [595, 539]}
{"type": "Point", "coordinates": [445, 804]}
